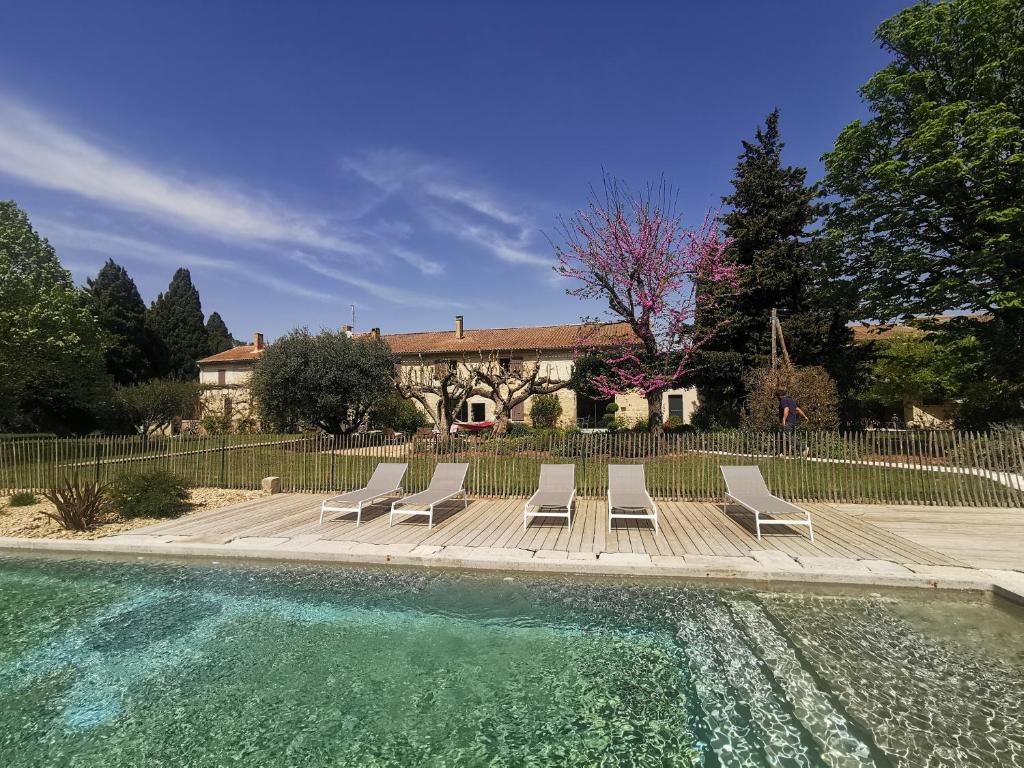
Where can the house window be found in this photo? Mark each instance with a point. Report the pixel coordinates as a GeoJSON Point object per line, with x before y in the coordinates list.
{"type": "Point", "coordinates": [222, 377]}
{"type": "Point", "coordinates": [479, 411]}
{"type": "Point", "coordinates": [675, 406]}
{"type": "Point", "coordinates": [505, 363]}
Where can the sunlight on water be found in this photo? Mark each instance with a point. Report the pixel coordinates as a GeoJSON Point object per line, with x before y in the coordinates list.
{"type": "Point", "coordinates": [125, 664]}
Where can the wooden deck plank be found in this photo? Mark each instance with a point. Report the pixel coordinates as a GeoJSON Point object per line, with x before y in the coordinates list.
{"type": "Point", "coordinates": [921, 535]}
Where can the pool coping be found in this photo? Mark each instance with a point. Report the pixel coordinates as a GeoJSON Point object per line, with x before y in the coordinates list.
{"type": "Point", "coordinates": [1005, 584]}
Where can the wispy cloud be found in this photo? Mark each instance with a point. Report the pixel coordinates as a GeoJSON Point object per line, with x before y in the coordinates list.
{"type": "Point", "coordinates": [379, 290]}
{"type": "Point", "coordinates": [131, 248]}
{"type": "Point", "coordinates": [36, 150]}
{"type": "Point", "coordinates": [451, 203]}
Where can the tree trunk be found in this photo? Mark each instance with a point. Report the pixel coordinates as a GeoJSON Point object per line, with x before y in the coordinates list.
{"type": "Point", "coordinates": [655, 420]}
{"type": "Point", "coordinates": [501, 421]}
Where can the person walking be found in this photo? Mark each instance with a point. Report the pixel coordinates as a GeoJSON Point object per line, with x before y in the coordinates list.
{"type": "Point", "coordinates": [789, 415]}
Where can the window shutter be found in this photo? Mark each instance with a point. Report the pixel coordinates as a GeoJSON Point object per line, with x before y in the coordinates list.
{"type": "Point", "coordinates": [517, 365]}
{"type": "Point", "coordinates": [516, 413]}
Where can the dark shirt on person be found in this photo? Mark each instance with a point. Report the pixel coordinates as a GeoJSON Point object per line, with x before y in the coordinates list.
{"type": "Point", "coordinates": [791, 418]}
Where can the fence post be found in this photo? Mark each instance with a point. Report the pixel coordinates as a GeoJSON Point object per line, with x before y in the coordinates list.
{"type": "Point", "coordinates": [223, 457]}
{"type": "Point", "coordinates": [96, 459]}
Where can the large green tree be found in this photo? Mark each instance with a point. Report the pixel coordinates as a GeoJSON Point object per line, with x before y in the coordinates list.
{"type": "Point", "coordinates": [121, 314]}
{"type": "Point", "coordinates": [782, 266]}
{"type": "Point", "coordinates": [176, 317]}
{"type": "Point", "coordinates": [220, 338]}
{"type": "Point", "coordinates": [51, 346]}
{"type": "Point", "coordinates": [930, 188]}
{"type": "Point", "coordinates": [329, 381]}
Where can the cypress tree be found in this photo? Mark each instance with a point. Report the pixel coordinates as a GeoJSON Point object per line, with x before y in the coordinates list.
{"type": "Point", "coordinates": [176, 317]}
{"type": "Point", "coordinates": [784, 266]}
{"type": "Point", "coordinates": [122, 315]}
{"type": "Point", "coordinates": [220, 337]}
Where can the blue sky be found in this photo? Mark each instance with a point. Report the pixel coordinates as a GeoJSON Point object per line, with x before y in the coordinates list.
{"type": "Point", "coordinates": [408, 158]}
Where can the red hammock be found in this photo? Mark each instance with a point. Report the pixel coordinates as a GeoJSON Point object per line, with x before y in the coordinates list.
{"type": "Point", "coordinates": [474, 425]}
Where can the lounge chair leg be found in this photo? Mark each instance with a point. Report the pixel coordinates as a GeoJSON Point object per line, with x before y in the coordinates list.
{"type": "Point", "coordinates": [526, 507]}
{"type": "Point", "coordinates": [810, 530]}
{"type": "Point", "coordinates": [430, 518]}
{"type": "Point", "coordinates": [321, 514]}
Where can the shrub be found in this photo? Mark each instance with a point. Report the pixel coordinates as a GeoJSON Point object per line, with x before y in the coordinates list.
{"type": "Point", "coordinates": [545, 411]}
{"type": "Point", "coordinates": [22, 499]}
{"type": "Point", "coordinates": [150, 494]}
{"type": "Point", "coordinates": [216, 422]}
{"type": "Point", "coordinates": [78, 505]}
{"type": "Point", "coordinates": [610, 420]}
{"type": "Point", "coordinates": [396, 413]}
{"type": "Point", "coordinates": [813, 389]}
{"type": "Point", "coordinates": [517, 429]}
{"type": "Point", "coordinates": [676, 425]}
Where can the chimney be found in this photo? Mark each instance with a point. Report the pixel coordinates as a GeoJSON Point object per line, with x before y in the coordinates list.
{"type": "Point", "coordinates": [375, 334]}
{"type": "Point", "coordinates": [460, 331]}
{"type": "Point", "coordinates": [257, 341]}
{"type": "Point", "coordinates": [347, 330]}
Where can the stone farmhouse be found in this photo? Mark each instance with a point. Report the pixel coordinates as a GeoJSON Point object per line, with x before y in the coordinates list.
{"type": "Point", "coordinates": [552, 347]}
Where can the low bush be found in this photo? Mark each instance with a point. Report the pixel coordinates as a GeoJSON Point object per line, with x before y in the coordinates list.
{"type": "Point", "coordinates": [675, 425]}
{"type": "Point", "coordinates": [78, 505]}
{"type": "Point", "coordinates": [518, 429]}
{"type": "Point", "coordinates": [150, 494]}
{"type": "Point", "coordinates": [545, 411]}
{"type": "Point", "coordinates": [22, 499]}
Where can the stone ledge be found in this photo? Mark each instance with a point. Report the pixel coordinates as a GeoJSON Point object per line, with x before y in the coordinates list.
{"type": "Point", "coordinates": [832, 564]}
{"type": "Point", "coordinates": [771, 558]}
{"type": "Point", "coordinates": [724, 562]}
{"type": "Point", "coordinates": [624, 558]}
{"type": "Point", "coordinates": [610, 563]}
{"type": "Point", "coordinates": [551, 554]}
{"type": "Point", "coordinates": [887, 567]}
{"type": "Point", "coordinates": [258, 541]}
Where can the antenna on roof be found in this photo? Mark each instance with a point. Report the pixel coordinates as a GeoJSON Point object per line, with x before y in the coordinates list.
{"type": "Point", "coordinates": [353, 315]}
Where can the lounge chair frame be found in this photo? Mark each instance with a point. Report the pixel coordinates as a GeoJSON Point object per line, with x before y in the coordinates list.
{"type": "Point", "coordinates": [612, 514]}
{"type": "Point", "coordinates": [358, 508]}
{"type": "Point", "coordinates": [428, 511]}
{"type": "Point", "coordinates": [728, 497]}
{"type": "Point", "coordinates": [567, 514]}
{"type": "Point", "coordinates": [326, 506]}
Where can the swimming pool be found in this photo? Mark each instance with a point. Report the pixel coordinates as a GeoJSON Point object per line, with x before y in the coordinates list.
{"type": "Point", "coordinates": [110, 663]}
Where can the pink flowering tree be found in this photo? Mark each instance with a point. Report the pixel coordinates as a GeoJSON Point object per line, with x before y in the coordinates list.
{"type": "Point", "coordinates": [634, 253]}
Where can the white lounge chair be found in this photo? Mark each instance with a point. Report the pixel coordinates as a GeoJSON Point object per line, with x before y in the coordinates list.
{"type": "Point", "coordinates": [555, 493]}
{"type": "Point", "coordinates": [746, 487]}
{"type": "Point", "coordinates": [445, 484]}
{"type": "Point", "coordinates": [385, 481]}
{"type": "Point", "coordinates": [627, 491]}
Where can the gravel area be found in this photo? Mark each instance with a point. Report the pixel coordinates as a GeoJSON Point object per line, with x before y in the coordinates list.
{"type": "Point", "coordinates": [30, 522]}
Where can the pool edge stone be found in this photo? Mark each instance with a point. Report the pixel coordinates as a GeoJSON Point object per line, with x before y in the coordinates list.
{"type": "Point", "coordinates": [606, 563]}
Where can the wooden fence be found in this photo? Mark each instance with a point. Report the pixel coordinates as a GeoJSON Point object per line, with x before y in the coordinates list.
{"type": "Point", "coordinates": [913, 467]}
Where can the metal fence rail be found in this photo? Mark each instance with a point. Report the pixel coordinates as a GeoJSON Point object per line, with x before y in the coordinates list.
{"type": "Point", "coordinates": [915, 467]}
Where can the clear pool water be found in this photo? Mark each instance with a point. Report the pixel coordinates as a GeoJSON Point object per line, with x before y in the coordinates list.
{"type": "Point", "coordinates": [106, 663]}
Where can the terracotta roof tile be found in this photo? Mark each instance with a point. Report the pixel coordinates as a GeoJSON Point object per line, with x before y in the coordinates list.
{"type": "Point", "coordinates": [546, 337]}
{"type": "Point", "coordinates": [241, 353]}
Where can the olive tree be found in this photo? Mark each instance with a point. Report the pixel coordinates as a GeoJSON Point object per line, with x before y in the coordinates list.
{"type": "Point", "coordinates": [327, 381]}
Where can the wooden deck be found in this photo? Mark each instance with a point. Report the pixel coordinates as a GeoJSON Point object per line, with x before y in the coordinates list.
{"type": "Point", "coordinates": [687, 528]}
